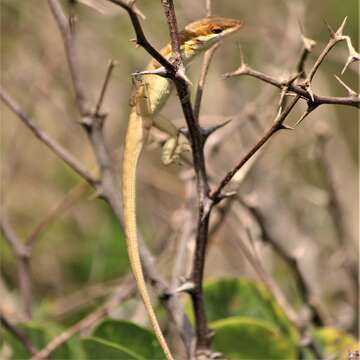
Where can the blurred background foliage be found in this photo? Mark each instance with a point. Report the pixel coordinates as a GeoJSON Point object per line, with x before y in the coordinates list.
{"type": "Point", "coordinates": [82, 248]}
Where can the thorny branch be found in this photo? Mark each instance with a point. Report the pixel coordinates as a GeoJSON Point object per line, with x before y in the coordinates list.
{"type": "Point", "coordinates": [203, 334]}
{"type": "Point", "coordinates": [277, 125]}
{"type": "Point", "coordinates": [302, 90]}
{"type": "Point", "coordinates": [297, 89]}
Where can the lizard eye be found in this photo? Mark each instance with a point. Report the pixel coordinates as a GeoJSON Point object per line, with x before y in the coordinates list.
{"type": "Point", "coordinates": [216, 30]}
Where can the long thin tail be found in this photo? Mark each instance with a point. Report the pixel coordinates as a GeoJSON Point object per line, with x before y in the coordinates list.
{"type": "Point", "coordinates": [133, 146]}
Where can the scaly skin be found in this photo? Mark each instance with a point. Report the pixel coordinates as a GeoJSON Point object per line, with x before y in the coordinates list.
{"type": "Point", "coordinates": [148, 99]}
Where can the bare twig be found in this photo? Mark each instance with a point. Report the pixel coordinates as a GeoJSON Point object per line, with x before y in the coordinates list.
{"type": "Point", "coordinates": [335, 209]}
{"type": "Point", "coordinates": [68, 200]}
{"type": "Point", "coordinates": [54, 146]}
{"type": "Point", "coordinates": [172, 303]}
{"type": "Point", "coordinates": [110, 68]}
{"type": "Point", "coordinates": [18, 334]}
{"type": "Point", "coordinates": [72, 59]}
{"type": "Point", "coordinates": [187, 224]}
{"type": "Point", "coordinates": [277, 125]}
{"type": "Point", "coordinates": [22, 253]}
{"type": "Point", "coordinates": [335, 37]}
{"type": "Point", "coordinates": [279, 296]}
{"type": "Point", "coordinates": [289, 259]}
{"type": "Point", "coordinates": [208, 7]}
{"type": "Point", "coordinates": [267, 279]}
{"type": "Point", "coordinates": [350, 91]}
{"type": "Point", "coordinates": [308, 46]}
{"type": "Point", "coordinates": [126, 290]}
{"type": "Point", "coordinates": [203, 72]}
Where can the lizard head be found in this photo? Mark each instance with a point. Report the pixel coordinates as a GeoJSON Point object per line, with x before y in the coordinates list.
{"type": "Point", "coordinates": [201, 34]}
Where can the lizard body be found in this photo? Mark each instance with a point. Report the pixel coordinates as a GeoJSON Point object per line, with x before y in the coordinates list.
{"type": "Point", "coordinates": [148, 99]}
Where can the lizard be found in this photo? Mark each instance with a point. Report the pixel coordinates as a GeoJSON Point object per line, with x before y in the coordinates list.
{"type": "Point", "coordinates": [149, 95]}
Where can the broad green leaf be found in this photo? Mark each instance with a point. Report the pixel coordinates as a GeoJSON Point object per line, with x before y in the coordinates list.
{"type": "Point", "coordinates": [137, 339]}
{"type": "Point", "coordinates": [228, 297]}
{"type": "Point", "coordinates": [97, 349]}
{"type": "Point", "coordinates": [240, 338]}
{"type": "Point", "coordinates": [40, 334]}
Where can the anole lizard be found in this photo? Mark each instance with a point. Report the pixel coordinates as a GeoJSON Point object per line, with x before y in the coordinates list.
{"type": "Point", "coordinates": [149, 96]}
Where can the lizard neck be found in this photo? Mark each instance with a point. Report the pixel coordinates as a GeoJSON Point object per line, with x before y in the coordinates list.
{"type": "Point", "coordinates": [159, 88]}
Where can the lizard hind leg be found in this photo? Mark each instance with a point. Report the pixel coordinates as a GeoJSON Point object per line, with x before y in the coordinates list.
{"type": "Point", "coordinates": [172, 150]}
{"type": "Point", "coordinates": [173, 147]}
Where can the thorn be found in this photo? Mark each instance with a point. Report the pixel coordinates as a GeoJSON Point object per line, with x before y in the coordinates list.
{"type": "Point", "coordinates": [182, 75]}
{"type": "Point", "coordinates": [340, 30]}
{"type": "Point", "coordinates": [229, 194]}
{"type": "Point", "coordinates": [241, 70]}
{"type": "Point", "coordinates": [331, 31]}
{"type": "Point", "coordinates": [86, 122]}
{"type": "Point", "coordinates": [134, 41]}
{"type": "Point", "coordinates": [349, 60]}
{"type": "Point", "coordinates": [293, 78]}
{"type": "Point", "coordinates": [308, 43]}
{"type": "Point", "coordinates": [223, 195]}
{"type": "Point", "coordinates": [136, 10]}
{"type": "Point", "coordinates": [286, 127]}
{"type": "Point", "coordinates": [210, 334]}
{"type": "Point", "coordinates": [284, 90]}
{"type": "Point", "coordinates": [208, 204]}
{"type": "Point", "coordinates": [353, 54]}
{"type": "Point", "coordinates": [242, 57]}
{"type": "Point", "coordinates": [187, 287]}
{"type": "Point", "coordinates": [311, 107]}
{"type": "Point", "coordinates": [310, 92]}
{"type": "Point", "coordinates": [184, 131]}
{"type": "Point", "coordinates": [217, 355]}
{"type": "Point", "coordinates": [301, 26]}
{"type": "Point", "coordinates": [160, 72]}
{"type": "Point", "coordinates": [306, 85]}
{"type": "Point", "coordinates": [278, 114]}
{"type": "Point", "coordinates": [282, 98]}
{"type": "Point", "coordinates": [350, 91]}
{"type": "Point", "coordinates": [210, 130]}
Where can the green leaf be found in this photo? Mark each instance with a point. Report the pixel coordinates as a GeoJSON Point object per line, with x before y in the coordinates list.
{"type": "Point", "coordinates": [137, 339]}
{"type": "Point", "coordinates": [97, 349]}
{"type": "Point", "coordinates": [239, 338]}
{"type": "Point", "coordinates": [333, 342]}
{"type": "Point", "coordinates": [40, 334]}
{"type": "Point", "coordinates": [242, 297]}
